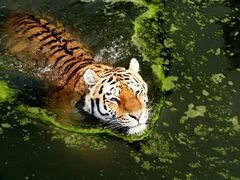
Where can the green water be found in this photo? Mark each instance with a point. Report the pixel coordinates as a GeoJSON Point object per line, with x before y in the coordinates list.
{"type": "Point", "coordinates": [196, 135]}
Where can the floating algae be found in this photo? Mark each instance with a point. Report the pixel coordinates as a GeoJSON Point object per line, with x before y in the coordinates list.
{"type": "Point", "coordinates": [206, 94]}
{"type": "Point", "coordinates": [211, 122]}
{"type": "Point", "coordinates": [193, 112]}
{"type": "Point", "coordinates": [45, 116]}
{"type": "Point", "coordinates": [36, 113]}
{"type": "Point", "coordinates": [6, 93]}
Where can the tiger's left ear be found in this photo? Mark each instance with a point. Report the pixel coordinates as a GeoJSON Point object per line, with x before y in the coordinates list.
{"type": "Point", "coordinates": [134, 65]}
{"type": "Point", "coordinates": [90, 77]}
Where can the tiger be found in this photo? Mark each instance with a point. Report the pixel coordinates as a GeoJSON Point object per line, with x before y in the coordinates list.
{"type": "Point", "coordinates": [115, 95]}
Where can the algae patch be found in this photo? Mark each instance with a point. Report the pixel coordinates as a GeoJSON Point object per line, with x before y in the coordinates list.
{"type": "Point", "coordinates": [217, 78]}
{"type": "Point", "coordinates": [235, 123]}
{"type": "Point", "coordinates": [169, 83]}
{"type": "Point", "coordinates": [6, 93]}
{"type": "Point", "coordinates": [193, 112]}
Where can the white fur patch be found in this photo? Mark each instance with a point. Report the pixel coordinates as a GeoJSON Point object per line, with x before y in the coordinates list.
{"type": "Point", "coordinates": [139, 129]}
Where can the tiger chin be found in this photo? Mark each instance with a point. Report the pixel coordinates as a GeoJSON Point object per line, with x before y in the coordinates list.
{"type": "Point", "coordinates": [117, 96]}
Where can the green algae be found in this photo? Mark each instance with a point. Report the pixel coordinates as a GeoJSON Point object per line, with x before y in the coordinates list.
{"type": "Point", "coordinates": [196, 147]}
{"type": "Point", "coordinates": [193, 112]}
{"type": "Point", "coordinates": [235, 123]}
{"type": "Point", "coordinates": [147, 41]}
{"type": "Point", "coordinates": [217, 78]}
{"type": "Point", "coordinates": [6, 93]}
{"type": "Point", "coordinates": [213, 88]}
{"type": "Point", "coordinates": [205, 92]}
{"type": "Point", "coordinates": [169, 83]}
{"type": "Point", "coordinates": [212, 91]}
{"type": "Point", "coordinates": [158, 150]}
{"type": "Point", "coordinates": [47, 117]}
{"type": "Point", "coordinates": [79, 136]}
{"type": "Point", "coordinates": [202, 130]}
{"type": "Point", "coordinates": [6, 125]}
{"type": "Point", "coordinates": [80, 141]}
{"type": "Point", "coordinates": [43, 115]}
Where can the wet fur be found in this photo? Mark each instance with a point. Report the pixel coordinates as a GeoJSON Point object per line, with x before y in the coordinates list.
{"type": "Point", "coordinates": [67, 58]}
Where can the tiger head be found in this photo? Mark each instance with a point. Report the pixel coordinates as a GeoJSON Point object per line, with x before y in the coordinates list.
{"type": "Point", "coordinates": [118, 97]}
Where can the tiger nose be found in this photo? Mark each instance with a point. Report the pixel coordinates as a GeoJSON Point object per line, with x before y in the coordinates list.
{"type": "Point", "coordinates": [136, 115]}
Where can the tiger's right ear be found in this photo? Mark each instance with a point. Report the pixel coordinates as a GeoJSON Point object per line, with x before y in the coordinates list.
{"type": "Point", "coordinates": [90, 77]}
{"type": "Point", "coordinates": [134, 65]}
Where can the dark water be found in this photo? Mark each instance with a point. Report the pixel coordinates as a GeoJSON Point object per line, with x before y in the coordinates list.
{"type": "Point", "coordinates": [197, 135]}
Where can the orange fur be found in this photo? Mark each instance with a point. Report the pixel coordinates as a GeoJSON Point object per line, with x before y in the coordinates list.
{"type": "Point", "coordinates": [55, 48]}
{"type": "Point", "coordinates": [129, 102]}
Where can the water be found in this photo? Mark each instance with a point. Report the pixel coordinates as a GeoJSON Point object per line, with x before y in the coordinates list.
{"type": "Point", "coordinates": [197, 134]}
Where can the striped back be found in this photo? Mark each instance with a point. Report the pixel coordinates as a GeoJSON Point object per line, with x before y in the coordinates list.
{"type": "Point", "coordinates": [53, 47]}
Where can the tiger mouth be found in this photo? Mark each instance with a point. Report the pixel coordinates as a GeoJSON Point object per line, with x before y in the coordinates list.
{"type": "Point", "coordinates": [137, 130]}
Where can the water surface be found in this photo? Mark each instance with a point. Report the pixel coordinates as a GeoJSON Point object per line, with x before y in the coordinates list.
{"type": "Point", "coordinates": [197, 135]}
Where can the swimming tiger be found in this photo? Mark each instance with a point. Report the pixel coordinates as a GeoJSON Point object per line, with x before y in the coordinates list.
{"type": "Point", "coordinates": [117, 96]}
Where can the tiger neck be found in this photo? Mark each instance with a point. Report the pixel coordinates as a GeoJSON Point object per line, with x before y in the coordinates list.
{"type": "Point", "coordinates": [74, 83]}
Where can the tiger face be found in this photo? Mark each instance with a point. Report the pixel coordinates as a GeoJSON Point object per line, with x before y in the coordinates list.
{"type": "Point", "coordinates": [118, 97]}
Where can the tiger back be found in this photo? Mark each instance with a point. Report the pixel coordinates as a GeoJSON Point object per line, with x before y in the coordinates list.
{"type": "Point", "coordinates": [54, 47]}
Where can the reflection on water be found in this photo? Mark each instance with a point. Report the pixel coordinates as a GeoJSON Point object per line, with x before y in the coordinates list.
{"type": "Point", "coordinates": [197, 136]}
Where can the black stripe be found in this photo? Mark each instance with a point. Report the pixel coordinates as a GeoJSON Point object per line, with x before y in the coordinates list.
{"type": "Point", "coordinates": [58, 33]}
{"type": "Point", "coordinates": [74, 48]}
{"type": "Point", "coordinates": [111, 88]}
{"type": "Point", "coordinates": [92, 107]}
{"type": "Point", "coordinates": [20, 15]}
{"type": "Point", "coordinates": [65, 62]}
{"type": "Point", "coordinates": [107, 74]}
{"type": "Point", "coordinates": [135, 80]}
{"type": "Point", "coordinates": [37, 34]}
{"type": "Point", "coordinates": [103, 80]}
{"type": "Point", "coordinates": [68, 40]}
{"type": "Point", "coordinates": [104, 100]}
{"type": "Point", "coordinates": [46, 37]}
{"type": "Point", "coordinates": [112, 82]}
{"type": "Point", "coordinates": [98, 108]}
{"type": "Point", "coordinates": [98, 66]}
{"type": "Point", "coordinates": [80, 55]}
{"type": "Point", "coordinates": [34, 18]}
{"type": "Point", "coordinates": [66, 49]}
{"type": "Point", "coordinates": [59, 59]}
{"type": "Point", "coordinates": [18, 20]}
{"type": "Point", "coordinates": [54, 46]}
{"type": "Point", "coordinates": [28, 28]}
{"type": "Point", "coordinates": [75, 71]}
{"type": "Point", "coordinates": [115, 99]}
{"type": "Point", "coordinates": [110, 79]}
{"type": "Point", "coordinates": [54, 52]}
{"type": "Point", "coordinates": [126, 75]}
{"type": "Point", "coordinates": [45, 25]}
{"type": "Point", "coordinates": [69, 66]}
{"type": "Point", "coordinates": [25, 22]}
{"type": "Point", "coordinates": [78, 78]}
{"type": "Point", "coordinates": [50, 42]}
{"type": "Point", "coordinates": [100, 90]}
{"type": "Point", "coordinates": [105, 107]}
